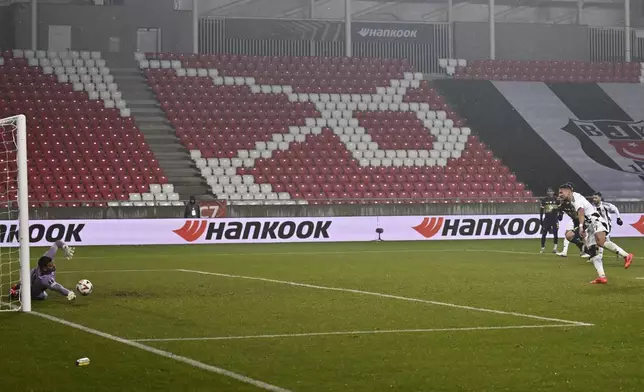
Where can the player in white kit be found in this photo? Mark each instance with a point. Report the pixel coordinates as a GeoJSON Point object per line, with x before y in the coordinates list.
{"type": "Point", "coordinates": [607, 211]}
{"type": "Point", "coordinates": [594, 230]}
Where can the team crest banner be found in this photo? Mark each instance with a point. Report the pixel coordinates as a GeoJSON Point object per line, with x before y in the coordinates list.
{"type": "Point", "coordinates": [618, 145]}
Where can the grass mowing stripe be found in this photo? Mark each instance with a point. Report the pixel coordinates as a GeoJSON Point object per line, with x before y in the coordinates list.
{"type": "Point", "coordinates": [383, 295]}
{"type": "Point", "coordinates": [375, 332]}
{"type": "Point", "coordinates": [119, 271]}
{"type": "Point", "coordinates": [166, 354]}
{"type": "Point", "coordinates": [341, 252]}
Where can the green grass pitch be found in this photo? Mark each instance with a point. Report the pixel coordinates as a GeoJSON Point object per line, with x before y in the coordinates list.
{"type": "Point", "coordinates": [362, 317]}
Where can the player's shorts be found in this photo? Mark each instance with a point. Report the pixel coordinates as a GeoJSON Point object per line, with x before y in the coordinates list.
{"type": "Point", "coordinates": [596, 225]}
{"type": "Point", "coordinates": [550, 227]}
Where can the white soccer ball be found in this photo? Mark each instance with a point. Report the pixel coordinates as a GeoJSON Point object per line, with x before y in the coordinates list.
{"type": "Point", "coordinates": [84, 287]}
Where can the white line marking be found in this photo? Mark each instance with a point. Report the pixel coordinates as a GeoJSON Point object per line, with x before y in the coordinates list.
{"type": "Point", "coordinates": [390, 331]}
{"type": "Point", "coordinates": [640, 277]}
{"type": "Point", "coordinates": [341, 252]}
{"type": "Point", "coordinates": [383, 295]}
{"type": "Point", "coordinates": [167, 354]}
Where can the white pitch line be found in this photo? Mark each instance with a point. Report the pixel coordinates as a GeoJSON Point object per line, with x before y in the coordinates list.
{"type": "Point", "coordinates": [167, 354]}
{"type": "Point", "coordinates": [641, 277]}
{"type": "Point", "coordinates": [375, 332]}
{"type": "Point", "coordinates": [383, 295]}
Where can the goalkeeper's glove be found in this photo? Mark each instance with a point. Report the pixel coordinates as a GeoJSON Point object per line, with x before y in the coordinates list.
{"type": "Point", "coordinates": [71, 296]}
{"type": "Point", "coordinates": [619, 221]}
{"type": "Point", "coordinates": [69, 252]}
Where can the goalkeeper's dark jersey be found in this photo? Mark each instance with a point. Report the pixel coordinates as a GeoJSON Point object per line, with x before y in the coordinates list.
{"type": "Point", "coordinates": [549, 209]}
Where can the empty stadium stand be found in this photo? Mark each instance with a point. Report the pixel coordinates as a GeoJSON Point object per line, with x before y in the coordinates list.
{"type": "Point", "coordinates": [84, 148]}
{"type": "Point", "coordinates": [316, 130]}
{"type": "Point", "coordinates": [545, 71]}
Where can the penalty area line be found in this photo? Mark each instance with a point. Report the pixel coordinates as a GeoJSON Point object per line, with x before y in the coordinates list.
{"type": "Point", "coordinates": [374, 332]}
{"type": "Point", "coordinates": [391, 296]}
{"type": "Point", "coordinates": [166, 354]}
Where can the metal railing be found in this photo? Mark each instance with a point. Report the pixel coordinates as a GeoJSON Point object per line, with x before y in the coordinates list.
{"type": "Point", "coordinates": [608, 44]}
{"type": "Point", "coordinates": [423, 55]}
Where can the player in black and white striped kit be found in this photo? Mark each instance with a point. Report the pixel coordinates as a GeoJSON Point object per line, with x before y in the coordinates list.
{"type": "Point", "coordinates": [607, 211]}
{"type": "Point", "coordinates": [593, 229]}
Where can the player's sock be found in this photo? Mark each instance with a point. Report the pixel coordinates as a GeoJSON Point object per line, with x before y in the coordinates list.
{"type": "Point", "coordinates": [600, 252]}
{"type": "Point", "coordinates": [614, 248]}
{"type": "Point", "coordinates": [565, 246]}
{"type": "Point", "coordinates": [543, 240]}
{"type": "Point", "coordinates": [599, 266]}
{"type": "Point", "coordinates": [579, 243]}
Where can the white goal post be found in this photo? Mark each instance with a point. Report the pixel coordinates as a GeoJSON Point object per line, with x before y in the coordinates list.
{"type": "Point", "coordinates": [14, 258]}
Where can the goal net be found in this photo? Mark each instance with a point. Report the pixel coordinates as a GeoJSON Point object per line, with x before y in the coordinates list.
{"type": "Point", "coordinates": [14, 215]}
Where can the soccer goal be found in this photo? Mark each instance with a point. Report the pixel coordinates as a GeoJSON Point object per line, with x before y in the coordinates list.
{"type": "Point", "coordinates": [14, 212]}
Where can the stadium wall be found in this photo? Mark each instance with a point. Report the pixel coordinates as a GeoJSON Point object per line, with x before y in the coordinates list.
{"type": "Point", "coordinates": [113, 29]}
{"type": "Point", "coordinates": [7, 39]}
{"type": "Point", "coordinates": [54, 213]}
{"type": "Point", "coordinates": [522, 41]}
{"type": "Point", "coordinates": [93, 27]}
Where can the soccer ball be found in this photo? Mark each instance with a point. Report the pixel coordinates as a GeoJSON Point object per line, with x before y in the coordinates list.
{"type": "Point", "coordinates": [84, 287]}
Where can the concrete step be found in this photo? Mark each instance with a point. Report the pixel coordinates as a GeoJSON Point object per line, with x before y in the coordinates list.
{"type": "Point", "coordinates": [170, 134]}
{"type": "Point", "coordinates": [200, 192]}
{"type": "Point", "coordinates": [161, 147]}
{"type": "Point", "coordinates": [160, 142]}
{"type": "Point", "coordinates": [133, 80]}
{"type": "Point", "coordinates": [155, 127]}
{"type": "Point", "coordinates": [180, 168]}
{"type": "Point", "coordinates": [174, 156]}
{"type": "Point", "coordinates": [141, 94]}
{"type": "Point", "coordinates": [145, 109]}
{"type": "Point", "coordinates": [143, 103]}
{"type": "Point", "coordinates": [186, 180]}
{"type": "Point", "coordinates": [136, 96]}
{"type": "Point", "coordinates": [132, 83]}
{"type": "Point", "coordinates": [206, 197]}
{"type": "Point", "coordinates": [125, 72]}
{"type": "Point", "coordinates": [148, 117]}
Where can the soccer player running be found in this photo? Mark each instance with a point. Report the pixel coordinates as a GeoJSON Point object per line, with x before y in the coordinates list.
{"type": "Point", "coordinates": [549, 219]}
{"type": "Point", "coordinates": [606, 210]}
{"type": "Point", "coordinates": [43, 277]}
{"type": "Point", "coordinates": [593, 229]}
{"type": "Point", "coordinates": [572, 230]}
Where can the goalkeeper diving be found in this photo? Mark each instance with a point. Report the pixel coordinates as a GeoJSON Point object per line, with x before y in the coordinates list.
{"type": "Point", "coordinates": [43, 276]}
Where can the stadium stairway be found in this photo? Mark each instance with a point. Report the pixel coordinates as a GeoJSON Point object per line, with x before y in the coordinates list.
{"type": "Point", "coordinates": [173, 157]}
{"type": "Point", "coordinates": [509, 134]}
